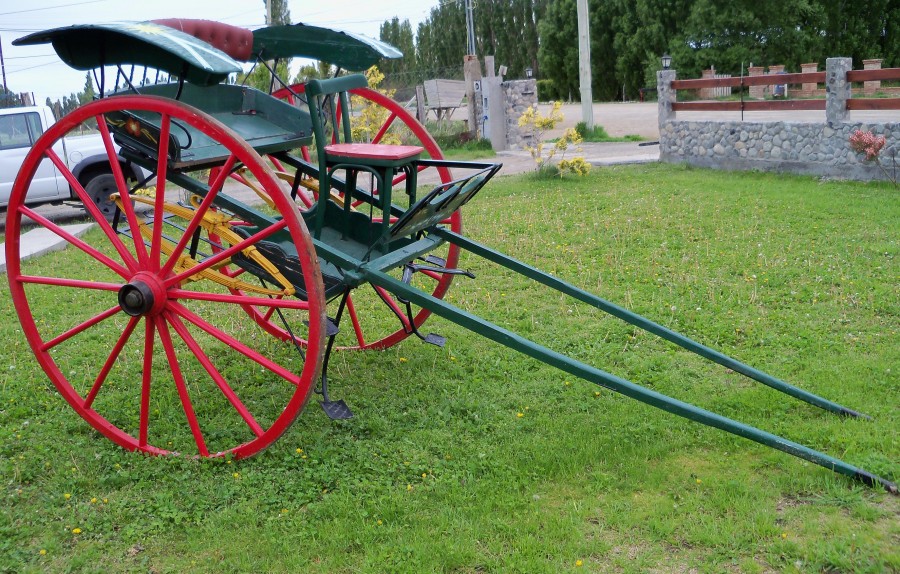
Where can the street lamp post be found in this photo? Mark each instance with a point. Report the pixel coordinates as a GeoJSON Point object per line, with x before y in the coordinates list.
{"type": "Point", "coordinates": [666, 61]}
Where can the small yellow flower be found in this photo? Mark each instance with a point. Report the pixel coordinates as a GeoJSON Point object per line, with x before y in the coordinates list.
{"type": "Point", "coordinates": [42, 552]}
{"type": "Point", "coordinates": [424, 475]}
{"type": "Point", "coordinates": [568, 383]}
{"type": "Point", "coordinates": [67, 496]}
{"type": "Point", "coordinates": [520, 415]}
{"type": "Point", "coordinates": [76, 531]}
{"type": "Point", "coordinates": [227, 462]}
{"type": "Point", "coordinates": [579, 563]}
{"type": "Point", "coordinates": [94, 500]}
{"type": "Point", "coordinates": [303, 456]}
{"type": "Point", "coordinates": [403, 359]}
{"type": "Point", "coordinates": [596, 393]}
{"type": "Point", "coordinates": [105, 500]}
{"type": "Point", "coordinates": [284, 510]}
{"type": "Point", "coordinates": [380, 523]}
{"type": "Point", "coordinates": [408, 487]}
{"type": "Point", "coordinates": [236, 475]}
{"type": "Point", "coordinates": [299, 451]}
{"type": "Point", "coordinates": [699, 481]}
{"type": "Point", "coordinates": [784, 534]}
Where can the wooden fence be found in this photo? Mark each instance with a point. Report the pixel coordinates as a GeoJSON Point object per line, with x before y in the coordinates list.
{"type": "Point", "coordinates": [855, 103]}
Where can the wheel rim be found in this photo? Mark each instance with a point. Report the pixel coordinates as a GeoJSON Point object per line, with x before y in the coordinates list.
{"type": "Point", "coordinates": [156, 355]}
{"type": "Point", "coordinates": [372, 320]}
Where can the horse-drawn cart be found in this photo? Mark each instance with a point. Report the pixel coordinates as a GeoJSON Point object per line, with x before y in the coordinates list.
{"type": "Point", "coordinates": [200, 319]}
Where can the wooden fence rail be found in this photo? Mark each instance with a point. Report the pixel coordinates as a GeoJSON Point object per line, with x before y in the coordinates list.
{"type": "Point", "coordinates": [857, 103]}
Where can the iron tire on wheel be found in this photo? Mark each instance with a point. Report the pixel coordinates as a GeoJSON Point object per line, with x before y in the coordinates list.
{"type": "Point", "coordinates": [153, 354]}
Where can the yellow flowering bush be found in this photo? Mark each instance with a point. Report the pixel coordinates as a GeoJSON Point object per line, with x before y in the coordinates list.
{"type": "Point", "coordinates": [538, 124]}
{"type": "Point", "coordinates": [369, 116]}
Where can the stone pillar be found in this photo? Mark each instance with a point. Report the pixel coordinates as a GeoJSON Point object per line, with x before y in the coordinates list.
{"type": "Point", "coordinates": [779, 69]}
{"type": "Point", "coordinates": [874, 85]}
{"type": "Point", "coordinates": [665, 95]}
{"type": "Point", "coordinates": [837, 89]}
{"type": "Point", "coordinates": [757, 92]}
{"type": "Point", "coordinates": [809, 88]}
{"type": "Point", "coordinates": [707, 93]}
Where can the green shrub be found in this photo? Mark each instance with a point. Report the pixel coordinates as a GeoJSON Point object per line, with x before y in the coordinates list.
{"type": "Point", "coordinates": [599, 134]}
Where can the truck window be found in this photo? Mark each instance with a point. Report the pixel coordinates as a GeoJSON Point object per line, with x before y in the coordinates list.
{"type": "Point", "coordinates": [19, 130]}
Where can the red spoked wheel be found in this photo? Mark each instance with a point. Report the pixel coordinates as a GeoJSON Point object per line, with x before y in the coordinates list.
{"type": "Point", "coordinates": [135, 325]}
{"type": "Point", "coordinates": [374, 318]}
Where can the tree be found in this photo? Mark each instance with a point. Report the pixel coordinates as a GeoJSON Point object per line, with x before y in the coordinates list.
{"type": "Point", "coordinates": [400, 35]}
{"type": "Point", "coordinates": [88, 94]}
{"type": "Point", "coordinates": [558, 54]}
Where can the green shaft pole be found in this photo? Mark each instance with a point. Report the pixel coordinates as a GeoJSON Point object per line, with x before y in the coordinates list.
{"type": "Point", "coordinates": [614, 383]}
{"type": "Point", "coordinates": [645, 324]}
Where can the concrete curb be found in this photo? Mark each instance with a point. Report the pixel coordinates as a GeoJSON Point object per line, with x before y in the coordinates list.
{"type": "Point", "coordinates": [41, 240]}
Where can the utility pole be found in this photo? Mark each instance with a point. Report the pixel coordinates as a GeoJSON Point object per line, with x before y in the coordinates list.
{"type": "Point", "coordinates": [3, 67]}
{"type": "Point", "coordinates": [470, 27]}
{"type": "Point", "coordinates": [471, 68]}
{"type": "Point", "coordinates": [584, 65]}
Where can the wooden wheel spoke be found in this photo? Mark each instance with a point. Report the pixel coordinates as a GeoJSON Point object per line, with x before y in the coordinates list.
{"type": "Point", "coordinates": [71, 239]}
{"type": "Point", "coordinates": [110, 361]}
{"type": "Point", "coordinates": [63, 282]}
{"type": "Point", "coordinates": [178, 376]}
{"type": "Point", "coordinates": [384, 128]}
{"type": "Point", "coordinates": [127, 205]}
{"type": "Point", "coordinates": [354, 320]}
{"type": "Point", "coordinates": [80, 328]}
{"type": "Point", "coordinates": [221, 256]}
{"type": "Point", "coordinates": [274, 303]}
{"type": "Point", "coordinates": [214, 373]}
{"type": "Point", "coordinates": [146, 379]}
{"type": "Point", "coordinates": [201, 211]}
{"type": "Point", "coordinates": [233, 343]}
{"type": "Point", "coordinates": [99, 218]}
{"type": "Point", "coordinates": [162, 167]}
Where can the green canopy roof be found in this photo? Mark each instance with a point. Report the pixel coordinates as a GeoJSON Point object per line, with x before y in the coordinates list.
{"type": "Point", "coordinates": [344, 49]}
{"type": "Point", "coordinates": [88, 46]}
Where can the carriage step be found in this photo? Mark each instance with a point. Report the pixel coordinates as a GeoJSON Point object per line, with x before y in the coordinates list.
{"type": "Point", "coordinates": [331, 328]}
{"type": "Point", "coordinates": [337, 410]}
{"type": "Point", "coordinates": [435, 339]}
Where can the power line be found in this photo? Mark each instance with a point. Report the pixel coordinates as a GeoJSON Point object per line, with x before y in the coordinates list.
{"type": "Point", "coordinates": [52, 7]}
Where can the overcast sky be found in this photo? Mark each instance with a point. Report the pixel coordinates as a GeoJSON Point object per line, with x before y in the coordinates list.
{"type": "Point", "coordinates": [37, 68]}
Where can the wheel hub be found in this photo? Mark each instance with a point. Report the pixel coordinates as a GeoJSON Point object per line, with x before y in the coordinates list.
{"type": "Point", "coordinates": [143, 295]}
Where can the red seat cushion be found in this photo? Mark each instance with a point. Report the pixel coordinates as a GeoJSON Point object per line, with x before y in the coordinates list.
{"type": "Point", "coordinates": [234, 41]}
{"type": "Point", "coordinates": [374, 151]}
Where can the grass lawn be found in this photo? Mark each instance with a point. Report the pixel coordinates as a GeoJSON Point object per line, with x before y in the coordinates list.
{"type": "Point", "coordinates": [438, 472]}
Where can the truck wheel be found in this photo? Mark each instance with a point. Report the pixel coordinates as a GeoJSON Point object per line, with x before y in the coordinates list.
{"type": "Point", "coordinates": [99, 188]}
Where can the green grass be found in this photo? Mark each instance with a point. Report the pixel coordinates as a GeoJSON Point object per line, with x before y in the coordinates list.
{"type": "Point", "coordinates": [598, 134]}
{"type": "Point", "coordinates": [437, 473]}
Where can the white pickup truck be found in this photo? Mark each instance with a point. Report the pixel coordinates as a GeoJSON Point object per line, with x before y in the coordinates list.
{"type": "Point", "coordinates": [84, 155]}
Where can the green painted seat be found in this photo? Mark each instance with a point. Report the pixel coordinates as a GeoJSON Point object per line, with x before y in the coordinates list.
{"type": "Point", "coordinates": [329, 104]}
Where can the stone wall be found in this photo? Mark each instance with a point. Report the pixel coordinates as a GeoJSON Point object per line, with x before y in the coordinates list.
{"type": "Point", "coordinates": [808, 148]}
{"type": "Point", "coordinates": [519, 95]}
